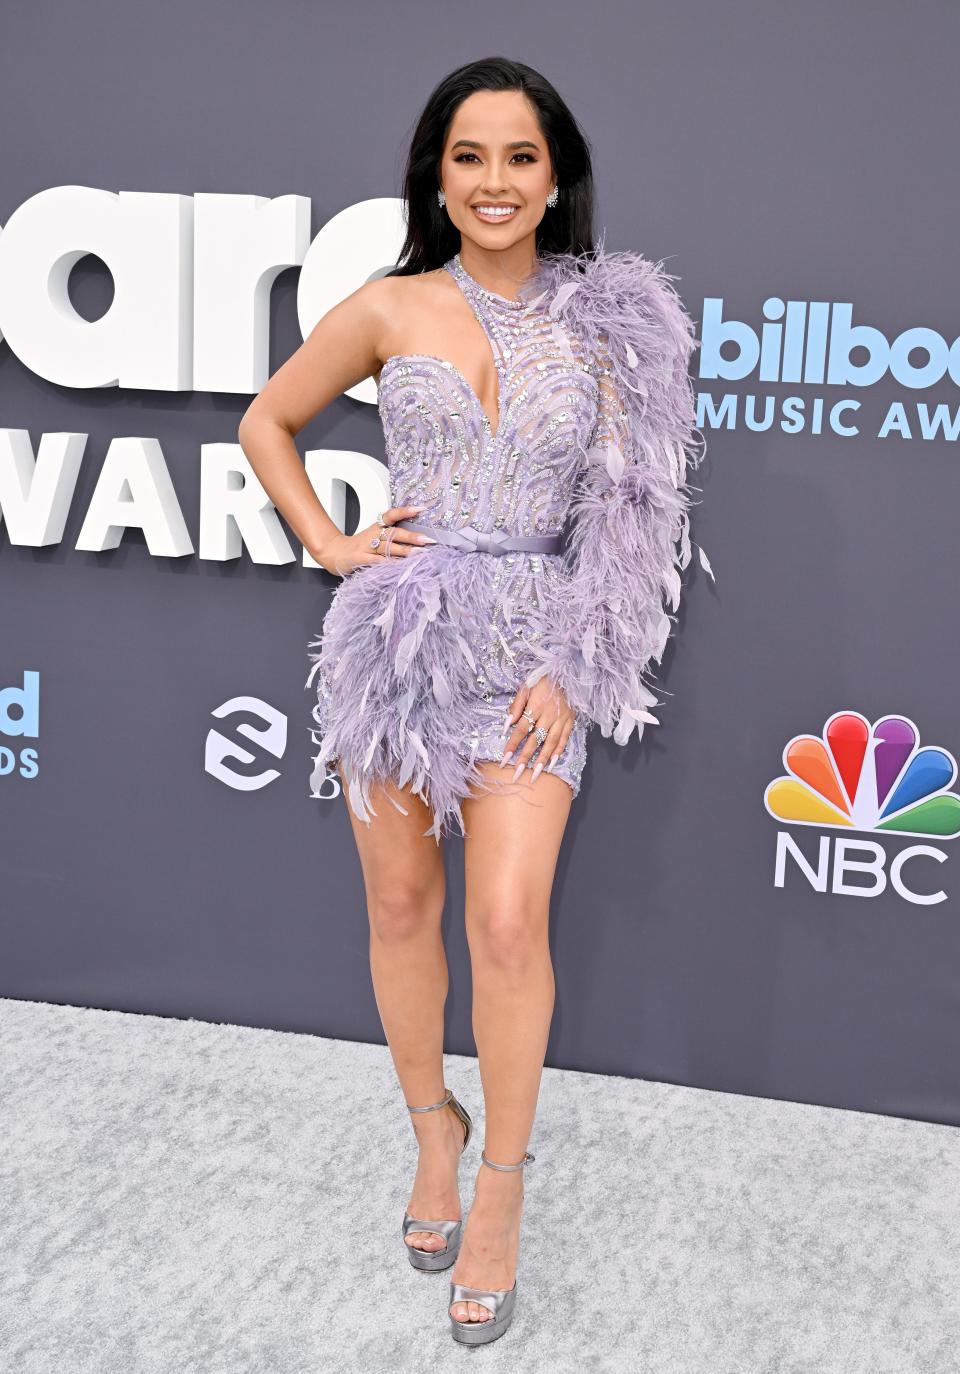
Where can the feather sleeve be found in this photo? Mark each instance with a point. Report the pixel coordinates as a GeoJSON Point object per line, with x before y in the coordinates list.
{"type": "Point", "coordinates": [628, 523]}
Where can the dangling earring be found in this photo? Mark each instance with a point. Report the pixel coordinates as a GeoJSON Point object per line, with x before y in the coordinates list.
{"type": "Point", "coordinates": [441, 198]}
{"type": "Point", "coordinates": [552, 197]}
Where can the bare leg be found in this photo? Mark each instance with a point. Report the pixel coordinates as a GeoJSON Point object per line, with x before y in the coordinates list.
{"type": "Point", "coordinates": [511, 851]}
{"type": "Point", "coordinates": [405, 886]}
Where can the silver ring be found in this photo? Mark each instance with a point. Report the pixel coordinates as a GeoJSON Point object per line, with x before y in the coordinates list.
{"type": "Point", "coordinates": [542, 735]}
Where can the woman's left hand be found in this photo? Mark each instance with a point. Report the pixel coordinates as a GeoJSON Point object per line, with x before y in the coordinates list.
{"type": "Point", "coordinates": [551, 710]}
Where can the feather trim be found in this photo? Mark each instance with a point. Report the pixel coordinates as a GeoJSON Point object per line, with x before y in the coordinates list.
{"type": "Point", "coordinates": [630, 506]}
{"type": "Point", "coordinates": [396, 682]}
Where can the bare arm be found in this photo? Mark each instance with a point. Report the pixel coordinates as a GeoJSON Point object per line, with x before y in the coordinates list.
{"type": "Point", "coordinates": [342, 349]}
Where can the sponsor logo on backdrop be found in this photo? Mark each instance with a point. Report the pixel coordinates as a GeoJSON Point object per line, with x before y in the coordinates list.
{"type": "Point", "coordinates": [19, 721]}
{"type": "Point", "coordinates": [816, 344]}
{"type": "Point", "coordinates": [868, 778]}
{"type": "Point", "coordinates": [229, 761]}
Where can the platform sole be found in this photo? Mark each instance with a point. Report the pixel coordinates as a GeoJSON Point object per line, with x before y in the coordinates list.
{"type": "Point", "coordinates": [431, 1260]}
{"type": "Point", "coordinates": [476, 1333]}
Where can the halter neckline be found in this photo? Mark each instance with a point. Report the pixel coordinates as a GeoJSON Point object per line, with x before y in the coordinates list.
{"type": "Point", "coordinates": [518, 304]}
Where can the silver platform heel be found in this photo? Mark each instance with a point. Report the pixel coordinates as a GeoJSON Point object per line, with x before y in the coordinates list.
{"type": "Point", "coordinates": [451, 1231]}
{"type": "Point", "coordinates": [499, 1301]}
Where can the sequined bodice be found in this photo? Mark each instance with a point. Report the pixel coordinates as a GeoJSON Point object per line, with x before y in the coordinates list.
{"type": "Point", "coordinates": [442, 450]}
{"type": "Point", "coordinates": [444, 454]}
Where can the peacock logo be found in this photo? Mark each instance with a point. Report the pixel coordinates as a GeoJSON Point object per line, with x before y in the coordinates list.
{"type": "Point", "coordinates": [860, 776]}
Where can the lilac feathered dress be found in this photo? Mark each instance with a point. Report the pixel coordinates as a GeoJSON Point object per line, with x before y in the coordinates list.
{"type": "Point", "coordinates": [420, 657]}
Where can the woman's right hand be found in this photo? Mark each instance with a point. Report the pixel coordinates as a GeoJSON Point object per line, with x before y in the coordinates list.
{"type": "Point", "coordinates": [347, 552]}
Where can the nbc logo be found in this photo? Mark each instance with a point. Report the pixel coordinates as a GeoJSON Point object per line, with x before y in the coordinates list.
{"type": "Point", "coordinates": [864, 777]}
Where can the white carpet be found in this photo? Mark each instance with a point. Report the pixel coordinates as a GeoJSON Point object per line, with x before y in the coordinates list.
{"type": "Point", "coordinates": [186, 1198]}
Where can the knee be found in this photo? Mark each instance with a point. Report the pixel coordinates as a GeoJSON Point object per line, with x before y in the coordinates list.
{"type": "Point", "coordinates": [511, 936]}
{"type": "Point", "coordinates": [404, 913]}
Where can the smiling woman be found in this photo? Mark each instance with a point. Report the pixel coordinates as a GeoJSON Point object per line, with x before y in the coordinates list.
{"type": "Point", "coordinates": [538, 417]}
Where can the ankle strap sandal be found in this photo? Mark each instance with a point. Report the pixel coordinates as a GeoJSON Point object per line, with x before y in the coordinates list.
{"type": "Point", "coordinates": [507, 1168]}
{"type": "Point", "coordinates": [451, 1231]}
{"type": "Point", "coordinates": [500, 1302]}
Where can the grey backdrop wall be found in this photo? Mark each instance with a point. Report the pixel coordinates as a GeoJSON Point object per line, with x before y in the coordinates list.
{"type": "Point", "coordinates": [769, 153]}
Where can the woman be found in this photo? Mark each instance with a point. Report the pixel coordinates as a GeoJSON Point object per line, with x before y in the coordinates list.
{"type": "Point", "coordinates": [528, 382]}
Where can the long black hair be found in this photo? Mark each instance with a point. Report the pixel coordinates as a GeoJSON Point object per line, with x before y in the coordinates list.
{"type": "Point", "coordinates": [432, 238]}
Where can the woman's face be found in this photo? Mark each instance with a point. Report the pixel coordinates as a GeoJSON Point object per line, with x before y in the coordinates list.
{"type": "Point", "coordinates": [495, 156]}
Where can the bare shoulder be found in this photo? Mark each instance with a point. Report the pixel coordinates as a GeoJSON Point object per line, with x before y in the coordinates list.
{"type": "Point", "coordinates": [417, 289]}
{"type": "Point", "coordinates": [407, 306]}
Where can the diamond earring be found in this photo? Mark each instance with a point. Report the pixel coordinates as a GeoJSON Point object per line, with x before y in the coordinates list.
{"type": "Point", "coordinates": [441, 198]}
{"type": "Point", "coordinates": [552, 197]}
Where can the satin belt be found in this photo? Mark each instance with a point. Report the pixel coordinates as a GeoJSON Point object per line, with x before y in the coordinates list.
{"type": "Point", "coordinates": [472, 540]}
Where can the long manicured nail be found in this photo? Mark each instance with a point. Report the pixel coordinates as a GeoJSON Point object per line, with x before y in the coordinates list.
{"type": "Point", "coordinates": [537, 771]}
{"type": "Point", "coordinates": [520, 767]}
{"type": "Point", "coordinates": [506, 758]}
{"type": "Point", "coordinates": [552, 762]}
